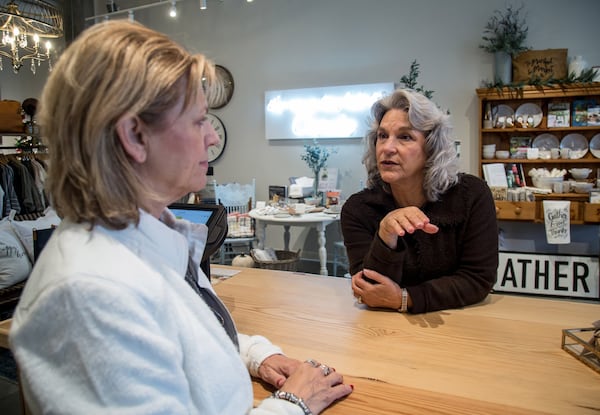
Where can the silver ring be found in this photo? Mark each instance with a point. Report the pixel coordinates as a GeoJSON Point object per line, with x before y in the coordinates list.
{"type": "Point", "coordinates": [326, 370]}
{"type": "Point", "coordinates": [312, 362]}
{"type": "Point", "coordinates": [359, 299]}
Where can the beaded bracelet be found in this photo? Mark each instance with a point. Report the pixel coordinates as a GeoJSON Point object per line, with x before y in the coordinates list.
{"type": "Point", "coordinates": [404, 307]}
{"type": "Point", "coordinates": [290, 397]}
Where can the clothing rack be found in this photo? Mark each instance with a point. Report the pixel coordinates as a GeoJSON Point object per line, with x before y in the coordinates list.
{"type": "Point", "coordinates": [41, 150]}
{"type": "Point", "coordinates": [18, 147]}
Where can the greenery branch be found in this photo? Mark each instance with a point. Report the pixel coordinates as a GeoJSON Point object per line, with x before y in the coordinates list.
{"type": "Point", "coordinates": [410, 81]}
{"type": "Point", "coordinates": [505, 32]}
{"type": "Point", "coordinates": [586, 76]}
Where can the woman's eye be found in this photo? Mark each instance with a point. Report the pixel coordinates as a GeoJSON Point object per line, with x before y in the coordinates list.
{"type": "Point", "coordinates": [381, 135]}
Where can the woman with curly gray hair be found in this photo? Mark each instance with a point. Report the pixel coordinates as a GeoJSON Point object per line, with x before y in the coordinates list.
{"type": "Point", "coordinates": [422, 236]}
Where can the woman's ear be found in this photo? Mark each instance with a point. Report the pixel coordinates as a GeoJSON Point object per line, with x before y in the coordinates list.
{"type": "Point", "coordinates": [129, 131]}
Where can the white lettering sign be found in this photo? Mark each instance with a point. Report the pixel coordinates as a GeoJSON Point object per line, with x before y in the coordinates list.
{"type": "Point", "coordinates": [557, 275]}
{"type": "Point", "coordinates": [328, 112]}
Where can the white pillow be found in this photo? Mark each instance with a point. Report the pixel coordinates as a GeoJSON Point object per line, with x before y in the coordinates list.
{"type": "Point", "coordinates": [14, 264]}
{"type": "Point", "coordinates": [24, 228]}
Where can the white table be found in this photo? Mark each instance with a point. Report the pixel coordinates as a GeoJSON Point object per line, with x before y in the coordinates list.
{"type": "Point", "coordinates": [319, 221]}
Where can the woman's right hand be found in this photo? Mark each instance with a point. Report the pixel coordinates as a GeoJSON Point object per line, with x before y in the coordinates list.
{"type": "Point", "coordinates": [402, 221]}
{"type": "Point", "coordinates": [317, 389]}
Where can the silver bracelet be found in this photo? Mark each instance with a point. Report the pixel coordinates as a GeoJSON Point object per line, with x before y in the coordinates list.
{"type": "Point", "coordinates": [290, 397]}
{"type": "Point", "coordinates": [404, 306]}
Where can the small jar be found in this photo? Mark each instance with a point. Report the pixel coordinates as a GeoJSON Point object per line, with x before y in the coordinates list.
{"type": "Point", "coordinates": [487, 116]}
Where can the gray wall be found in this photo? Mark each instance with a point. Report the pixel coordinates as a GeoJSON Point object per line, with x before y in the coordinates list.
{"type": "Point", "coordinates": [286, 44]}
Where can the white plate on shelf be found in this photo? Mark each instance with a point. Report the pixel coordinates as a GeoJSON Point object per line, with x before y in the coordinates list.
{"type": "Point", "coordinates": [577, 143]}
{"type": "Point", "coordinates": [503, 110]}
{"type": "Point", "coordinates": [595, 146]}
{"type": "Point", "coordinates": [545, 142]}
{"type": "Point", "coordinates": [500, 113]}
{"type": "Point", "coordinates": [529, 109]}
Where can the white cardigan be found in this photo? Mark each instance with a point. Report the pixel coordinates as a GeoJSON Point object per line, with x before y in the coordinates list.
{"type": "Point", "coordinates": [107, 324]}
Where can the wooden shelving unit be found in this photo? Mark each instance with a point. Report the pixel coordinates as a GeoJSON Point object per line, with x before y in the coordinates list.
{"type": "Point", "coordinates": [581, 210]}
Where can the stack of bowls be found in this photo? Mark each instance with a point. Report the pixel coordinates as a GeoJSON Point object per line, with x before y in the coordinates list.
{"type": "Point", "coordinates": [489, 150]}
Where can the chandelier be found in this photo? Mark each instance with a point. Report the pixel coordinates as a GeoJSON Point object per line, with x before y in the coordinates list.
{"type": "Point", "coordinates": [23, 25]}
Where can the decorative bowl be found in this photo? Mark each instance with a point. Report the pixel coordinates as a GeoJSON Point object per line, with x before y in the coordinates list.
{"type": "Point", "coordinates": [580, 174]}
{"type": "Point", "coordinates": [545, 182]}
{"type": "Point", "coordinates": [502, 154]}
{"type": "Point", "coordinates": [583, 187]}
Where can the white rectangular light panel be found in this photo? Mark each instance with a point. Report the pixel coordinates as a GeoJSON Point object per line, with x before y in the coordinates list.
{"type": "Point", "coordinates": [327, 112]}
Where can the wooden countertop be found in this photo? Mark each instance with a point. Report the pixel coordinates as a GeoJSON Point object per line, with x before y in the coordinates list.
{"type": "Point", "coordinates": [503, 356]}
{"type": "Point", "coordinates": [4, 329]}
{"type": "Point", "coordinates": [500, 357]}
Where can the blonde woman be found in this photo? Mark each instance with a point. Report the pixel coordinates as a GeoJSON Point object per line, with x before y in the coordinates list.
{"type": "Point", "coordinates": [116, 317]}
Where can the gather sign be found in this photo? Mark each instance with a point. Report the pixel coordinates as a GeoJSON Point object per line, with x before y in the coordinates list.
{"type": "Point", "coordinates": [555, 275]}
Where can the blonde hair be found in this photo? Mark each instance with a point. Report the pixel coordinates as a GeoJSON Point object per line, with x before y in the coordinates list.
{"type": "Point", "coordinates": [112, 69]}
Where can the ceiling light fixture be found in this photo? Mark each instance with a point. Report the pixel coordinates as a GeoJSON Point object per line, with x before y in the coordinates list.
{"type": "Point", "coordinates": [23, 24]}
{"type": "Point", "coordinates": [115, 10]}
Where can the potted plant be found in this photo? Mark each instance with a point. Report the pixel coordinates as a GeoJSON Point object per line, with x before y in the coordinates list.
{"type": "Point", "coordinates": [316, 158]}
{"type": "Point", "coordinates": [504, 36]}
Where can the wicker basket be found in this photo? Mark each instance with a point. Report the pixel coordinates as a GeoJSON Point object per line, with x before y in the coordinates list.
{"type": "Point", "coordinates": [286, 261]}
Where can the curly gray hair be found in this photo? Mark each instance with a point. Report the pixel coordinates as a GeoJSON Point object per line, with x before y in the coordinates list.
{"type": "Point", "coordinates": [441, 167]}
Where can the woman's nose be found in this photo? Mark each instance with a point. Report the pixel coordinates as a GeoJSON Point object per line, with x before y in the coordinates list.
{"type": "Point", "coordinates": [210, 137]}
{"type": "Point", "coordinates": [388, 145]}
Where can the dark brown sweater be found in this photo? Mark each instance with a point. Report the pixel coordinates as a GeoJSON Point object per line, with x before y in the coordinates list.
{"type": "Point", "coordinates": [452, 268]}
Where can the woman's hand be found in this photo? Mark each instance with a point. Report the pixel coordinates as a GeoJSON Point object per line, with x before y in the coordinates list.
{"type": "Point", "coordinates": [382, 292]}
{"type": "Point", "coordinates": [317, 384]}
{"type": "Point", "coordinates": [402, 221]}
{"type": "Point", "coordinates": [276, 369]}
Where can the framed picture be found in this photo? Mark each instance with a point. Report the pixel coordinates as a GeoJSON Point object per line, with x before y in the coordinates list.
{"type": "Point", "coordinates": [279, 192]}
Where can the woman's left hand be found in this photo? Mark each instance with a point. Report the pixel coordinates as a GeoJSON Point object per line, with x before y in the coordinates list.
{"type": "Point", "coordinates": [382, 292]}
{"type": "Point", "coordinates": [277, 368]}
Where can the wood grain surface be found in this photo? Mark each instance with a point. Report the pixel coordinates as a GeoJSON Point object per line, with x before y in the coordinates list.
{"type": "Point", "coordinates": [502, 356]}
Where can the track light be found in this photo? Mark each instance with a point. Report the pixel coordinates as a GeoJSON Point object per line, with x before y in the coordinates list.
{"type": "Point", "coordinates": [202, 4]}
{"type": "Point", "coordinates": [173, 10]}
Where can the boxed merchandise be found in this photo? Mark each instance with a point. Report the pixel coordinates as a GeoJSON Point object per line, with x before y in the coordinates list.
{"type": "Point", "coordinates": [593, 115]}
{"type": "Point", "coordinates": [558, 114]}
{"type": "Point", "coordinates": [580, 111]}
